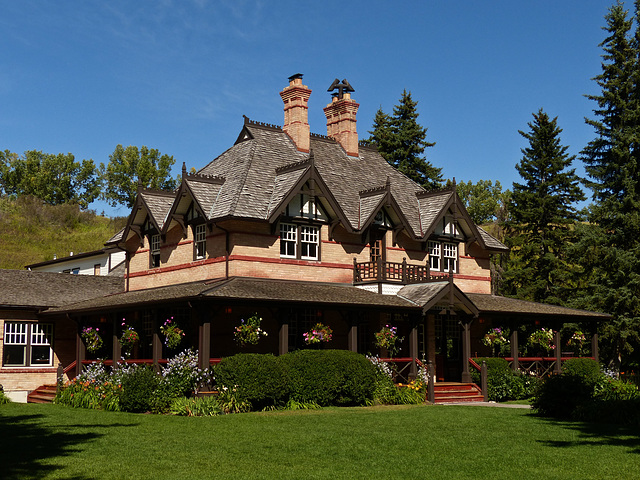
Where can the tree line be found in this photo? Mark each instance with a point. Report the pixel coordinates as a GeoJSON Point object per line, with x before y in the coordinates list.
{"type": "Point", "coordinates": [60, 178]}
{"type": "Point", "coordinates": [586, 259]}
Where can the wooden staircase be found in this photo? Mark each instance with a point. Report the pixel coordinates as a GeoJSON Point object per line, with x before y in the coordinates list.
{"type": "Point", "coordinates": [42, 394]}
{"type": "Point", "coordinates": [449, 392]}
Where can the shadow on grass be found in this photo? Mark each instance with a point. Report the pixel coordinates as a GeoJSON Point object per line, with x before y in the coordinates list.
{"type": "Point", "coordinates": [27, 443]}
{"type": "Point", "coordinates": [596, 434]}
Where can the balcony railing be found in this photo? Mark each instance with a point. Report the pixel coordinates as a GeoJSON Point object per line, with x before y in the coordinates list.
{"type": "Point", "coordinates": [392, 272]}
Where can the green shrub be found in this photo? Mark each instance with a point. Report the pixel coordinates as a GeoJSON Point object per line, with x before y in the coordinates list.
{"type": "Point", "coordinates": [616, 411]}
{"type": "Point", "coordinates": [260, 380]}
{"type": "Point", "coordinates": [610, 389]}
{"type": "Point", "coordinates": [3, 398]}
{"type": "Point", "coordinates": [330, 377]}
{"type": "Point", "coordinates": [503, 383]}
{"type": "Point", "coordinates": [587, 369]}
{"type": "Point", "coordinates": [138, 388]}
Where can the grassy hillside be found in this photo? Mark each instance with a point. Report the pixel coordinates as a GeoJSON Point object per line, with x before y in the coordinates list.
{"type": "Point", "coordinates": [32, 232]}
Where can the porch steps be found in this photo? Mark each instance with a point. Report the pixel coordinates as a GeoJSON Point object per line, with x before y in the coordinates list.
{"type": "Point", "coordinates": [449, 392]}
{"type": "Point", "coordinates": [42, 394]}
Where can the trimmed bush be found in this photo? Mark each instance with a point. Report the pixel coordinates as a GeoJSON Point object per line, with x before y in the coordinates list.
{"type": "Point", "coordinates": [138, 387]}
{"type": "Point", "coordinates": [330, 377]}
{"type": "Point", "coordinates": [587, 369]}
{"type": "Point", "coordinates": [560, 395]}
{"type": "Point", "coordinates": [258, 379]}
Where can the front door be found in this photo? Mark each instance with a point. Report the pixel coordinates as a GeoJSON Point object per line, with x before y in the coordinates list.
{"type": "Point", "coordinates": [448, 348]}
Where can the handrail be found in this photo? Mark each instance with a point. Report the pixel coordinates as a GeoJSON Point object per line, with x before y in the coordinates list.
{"type": "Point", "coordinates": [474, 364]}
{"type": "Point", "coordinates": [70, 367]}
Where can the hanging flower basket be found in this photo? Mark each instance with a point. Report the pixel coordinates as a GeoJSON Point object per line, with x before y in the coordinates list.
{"type": "Point", "coordinates": [172, 333]}
{"type": "Point", "coordinates": [388, 338]}
{"type": "Point", "coordinates": [92, 339]}
{"type": "Point", "coordinates": [319, 334]}
{"type": "Point", "coordinates": [249, 331]}
{"type": "Point", "coordinates": [495, 339]}
{"type": "Point", "coordinates": [576, 342]}
{"type": "Point", "coordinates": [128, 339]}
{"type": "Point", "coordinates": [542, 339]}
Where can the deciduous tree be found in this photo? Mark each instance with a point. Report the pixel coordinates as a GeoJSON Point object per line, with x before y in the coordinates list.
{"type": "Point", "coordinates": [128, 167]}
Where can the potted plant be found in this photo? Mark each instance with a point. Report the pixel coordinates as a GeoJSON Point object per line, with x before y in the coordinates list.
{"type": "Point", "coordinates": [318, 335]}
{"type": "Point", "coordinates": [388, 338]}
{"type": "Point", "coordinates": [172, 333]}
{"type": "Point", "coordinates": [92, 339]}
{"type": "Point", "coordinates": [128, 339]}
{"type": "Point", "coordinates": [249, 331]}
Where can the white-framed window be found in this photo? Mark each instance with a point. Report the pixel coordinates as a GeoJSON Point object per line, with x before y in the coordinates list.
{"type": "Point", "coordinates": [288, 240]}
{"type": "Point", "coordinates": [434, 255]}
{"type": "Point", "coordinates": [299, 241]}
{"type": "Point", "coordinates": [443, 256]}
{"type": "Point", "coordinates": [450, 257]}
{"type": "Point", "coordinates": [155, 251]}
{"type": "Point", "coordinates": [200, 234]}
{"type": "Point", "coordinates": [27, 344]}
{"type": "Point", "coordinates": [309, 241]}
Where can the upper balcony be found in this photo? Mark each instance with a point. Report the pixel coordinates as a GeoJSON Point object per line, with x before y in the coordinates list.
{"type": "Point", "coordinates": [392, 272]}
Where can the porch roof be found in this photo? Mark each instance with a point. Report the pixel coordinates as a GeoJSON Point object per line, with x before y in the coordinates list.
{"type": "Point", "coordinates": [242, 289]}
{"type": "Point", "coordinates": [494, 304]}
{"type": "Point", "coordinates": [35, 290]}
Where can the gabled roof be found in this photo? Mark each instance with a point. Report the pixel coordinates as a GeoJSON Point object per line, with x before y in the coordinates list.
{"type": "Point", "coordinates": [36, 290]}
{"type": "Point", "coordinates": [263, 170]}
{"type": "Point", "coordinates": [428, 295]}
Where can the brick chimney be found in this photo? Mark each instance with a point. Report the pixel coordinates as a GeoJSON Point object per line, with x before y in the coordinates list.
{"type": "Point", "coordinates": [296, 117]}
{"type": "Point", "coordinates": [341, 117]}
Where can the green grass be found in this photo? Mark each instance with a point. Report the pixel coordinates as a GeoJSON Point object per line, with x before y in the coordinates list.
{"type": "Point", "coordinates": [441, 442]}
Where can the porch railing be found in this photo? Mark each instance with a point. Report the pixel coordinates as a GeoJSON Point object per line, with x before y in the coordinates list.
{"type": "Point", "coordinates": [535, 366]}
{"type": "Point", "coordinates": [402, 368]}
{"type": "Point", "coordinates": [392, 272]}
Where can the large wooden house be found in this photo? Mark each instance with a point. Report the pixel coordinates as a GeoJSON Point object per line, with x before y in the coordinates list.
{"type": "Point", "coordinates": [303, 228]}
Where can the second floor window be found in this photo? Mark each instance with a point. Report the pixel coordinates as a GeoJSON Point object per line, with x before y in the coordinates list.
{"type": "Point", "coordinates": [443, 256]}
{"type": "Point", "coordinates": [155, 251]}
{"type": "Point", "coordinates": [299, 241]}
{"type": "Point", "coordinates": [200, 241]}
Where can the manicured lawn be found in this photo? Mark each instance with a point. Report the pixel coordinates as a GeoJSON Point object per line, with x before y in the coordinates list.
{"type": "Point", "coordinates": [441, 442]}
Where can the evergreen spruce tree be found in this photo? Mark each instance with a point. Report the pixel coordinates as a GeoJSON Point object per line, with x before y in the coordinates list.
{"type": "Point", "coordinates": [609, 250]}
{"type": "Point", "coordinates": [542, 213]}
{"type": "Point", "coordinates": [401, 140]}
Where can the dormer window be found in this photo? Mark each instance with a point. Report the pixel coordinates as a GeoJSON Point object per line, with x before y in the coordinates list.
{"type": "Point", "coordinates": [154, 260]}
{"type": "Point", "coordinates": [200, 241]}
{"type": "Point", "coordinates": [299, 241]}
{"type": "Point", "coordinates": [383, 220]}
{"type": "Point", "coordinates": [443, 256]}
{"type": "Point", "coordinates": [305, 206]}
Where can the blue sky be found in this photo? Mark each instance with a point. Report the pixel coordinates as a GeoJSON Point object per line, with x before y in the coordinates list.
{"type": "Point", "coordinates": [82, 77]}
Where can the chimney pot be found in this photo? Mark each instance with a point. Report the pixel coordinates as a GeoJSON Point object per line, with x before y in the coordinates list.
{"type": "Point", "coordinates": [296, 116]}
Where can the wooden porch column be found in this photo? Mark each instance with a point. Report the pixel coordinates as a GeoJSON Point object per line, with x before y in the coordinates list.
{"type": "Point", "coordinates": [352, 339]}
{"type": "Point", "coordinates": [283, 339]}
{"type": "Point", "coordinates": [413, 351]}
{"type": "Point", "coordinates": [595, 353]}
{"type": "Point", "coordinates": [81, 353]}
{"type": "Point", "coordinates": [513, 341]}
{"type": "Point", "coordinates": [116, 351]}
{"type": "Point", "coordinates": [156, 350]}
{"type": "Point", "coordinates": [556, 341]}
{"type": "Point", "coordinates": [204, 344]}
{"type": "Point", "coordinates": [466, 350]}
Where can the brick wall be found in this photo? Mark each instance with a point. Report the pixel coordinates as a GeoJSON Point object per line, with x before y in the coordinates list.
{"type": "Point", "coordinates": [255, 252]}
